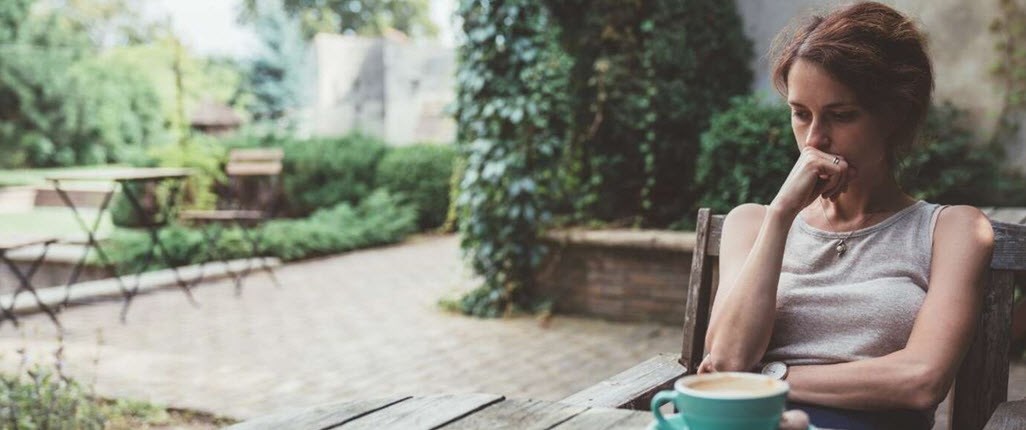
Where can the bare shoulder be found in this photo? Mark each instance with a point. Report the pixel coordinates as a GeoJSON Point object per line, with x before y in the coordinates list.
{"type": "Point", "coordinates": [744, 220]}
{"type": "Point", "coordinates": [964, 228]}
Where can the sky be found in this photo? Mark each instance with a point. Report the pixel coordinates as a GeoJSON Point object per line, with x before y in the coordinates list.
{"type": "Point", "coordinates": [208, 27]}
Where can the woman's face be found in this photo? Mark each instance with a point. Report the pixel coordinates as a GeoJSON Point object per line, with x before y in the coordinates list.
{"type": "Point", "coordinates": [825, 114]}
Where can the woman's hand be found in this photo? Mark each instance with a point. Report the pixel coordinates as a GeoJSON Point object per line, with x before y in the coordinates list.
{"type": "Point", "coordinates": [794, 420]}
{"type": "Point", "coordinates": [814, 174]}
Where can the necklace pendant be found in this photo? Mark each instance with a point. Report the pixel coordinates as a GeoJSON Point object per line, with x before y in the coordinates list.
{"type": "Point", "coordinates": [841, 247]}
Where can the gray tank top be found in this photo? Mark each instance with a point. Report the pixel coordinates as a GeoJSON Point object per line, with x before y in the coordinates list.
{"type": "Point", "coordinates": [860, 305]}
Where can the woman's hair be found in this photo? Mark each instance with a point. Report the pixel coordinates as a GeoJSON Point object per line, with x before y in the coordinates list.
{"type": "Point", "coordinates": [872, 49]}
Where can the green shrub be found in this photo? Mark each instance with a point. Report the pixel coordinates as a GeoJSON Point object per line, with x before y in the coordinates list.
{"type": "Point", "coordinates": [321, 173]}
{"type": "Point", "coordinates": [203, 154]}
{"type": "Point", "coordinates": [421, 175]}
{"type": "Point", "coordinates": [749, 149]}
{"type": "Point", "coordinates": [745, 155]}
{"type": "Point", "coordinates": [379, 219]}
{"type": "Point", "coordinates": [948, 168]}
{"type": "Point", "coordinates": [647, 77]}
{"type": "Point", "coordinates": [43, 399]}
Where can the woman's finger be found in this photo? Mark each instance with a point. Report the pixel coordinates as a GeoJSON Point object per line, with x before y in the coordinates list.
{"type": "Point", "coordinates": [794, 420]}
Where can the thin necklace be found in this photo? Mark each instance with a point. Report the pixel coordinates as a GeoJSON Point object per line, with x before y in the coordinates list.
{"type": "Point", "coordinates": [841, 247]}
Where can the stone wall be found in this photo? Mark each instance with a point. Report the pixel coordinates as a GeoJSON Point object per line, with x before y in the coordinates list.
{"type": "Point", "coordinates": [620, 275]}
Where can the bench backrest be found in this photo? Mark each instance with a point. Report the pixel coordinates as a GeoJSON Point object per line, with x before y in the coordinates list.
{"type": "Point", "coordinates": [982, 381]}
{"type": "Point", "coordinates": [254, 178]}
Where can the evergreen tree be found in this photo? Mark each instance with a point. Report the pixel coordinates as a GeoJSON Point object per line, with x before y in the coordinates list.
{"type": "Point", "coordinates": [274, 75]}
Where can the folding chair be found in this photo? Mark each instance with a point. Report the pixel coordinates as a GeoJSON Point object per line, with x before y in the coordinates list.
{"type": "Point", "coordinates": [251, 197]}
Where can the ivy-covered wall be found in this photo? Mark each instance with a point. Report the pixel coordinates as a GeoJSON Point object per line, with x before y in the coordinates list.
{"type": "Point", "coordinates": [512, 125]}
{"type": "Point", "coordinates": [574, 111]}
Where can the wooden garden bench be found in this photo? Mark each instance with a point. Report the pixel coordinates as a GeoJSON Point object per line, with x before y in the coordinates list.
{"type": "Point", "coordinates": [981, 386]}
{"type": "Point", "coordinates": [254, 188]}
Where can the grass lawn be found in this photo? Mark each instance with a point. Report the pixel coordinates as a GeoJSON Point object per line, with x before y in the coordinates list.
{"type": "Point", "coordinates": [56, 221]}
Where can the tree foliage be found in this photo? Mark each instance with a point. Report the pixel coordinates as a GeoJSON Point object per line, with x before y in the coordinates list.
{"type": "Point", "coordinates": [367, 17]}
{"type": "Point", "coordinates": [274, 76]}
{"type": "Point", "coordinates": [61, 103]}
{"type": "Point", "coordinates": [647, 77]}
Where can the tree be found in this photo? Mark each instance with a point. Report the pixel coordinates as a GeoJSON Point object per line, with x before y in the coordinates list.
{"type": "Point", "coordinates": [367, 17]}
{"type": "Point", "coordinates": [274, 77]}
{"type": "Point", "coordinates": [61, 103]}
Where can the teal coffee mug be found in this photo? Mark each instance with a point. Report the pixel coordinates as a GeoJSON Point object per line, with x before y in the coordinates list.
{"type": "Point", "coordinates": [723, 401]}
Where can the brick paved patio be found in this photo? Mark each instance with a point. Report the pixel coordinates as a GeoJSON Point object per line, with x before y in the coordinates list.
{"type": "Point", "coordinates": [355, 326]}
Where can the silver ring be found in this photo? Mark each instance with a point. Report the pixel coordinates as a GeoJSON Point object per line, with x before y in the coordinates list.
{"type": "Point", "coordinates": [836, 160]}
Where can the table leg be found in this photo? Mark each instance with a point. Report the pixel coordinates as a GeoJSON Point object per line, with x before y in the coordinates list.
{"type": "Point", "coordinates": [91, 242]}
{"type": "Point", "coordinates": [154, 233]}
{"type": "Point", "coordinates": [25, 279]}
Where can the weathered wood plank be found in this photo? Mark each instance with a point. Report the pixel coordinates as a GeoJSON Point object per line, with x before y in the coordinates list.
{"type": "Point", "coordinates": [263, 168]}
{"type": "Point", "coordinates": [318, 417]}
{"type": "Point", "coordinates": [123, 174]}
{"type": "Point", "coordinates": [699, 297]}
{"type": "Point", "coordinates": [982, 381]}
{"type": "Point", "coordinates": [424, 413]}
{"type": "Point", "coordinates": [715, 234]}
{"type": "Point", "coordinates": [1009, 246]}
{"type": "Point", "coordinates": [256, 154]}
{"type": "Point", "coordinates": [518, 414]}
{"type": "Point", "coordinates": [1008, 416]}
{"type": "Point", "coordinates": [8, 243]}
{"type": "Point", "coordinates": [634, 387]}
{"type": "Point", "coordinates": [607, 419]}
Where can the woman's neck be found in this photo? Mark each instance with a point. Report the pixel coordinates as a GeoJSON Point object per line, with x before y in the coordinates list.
{"type": "Point", "coordinates": [865, 200]}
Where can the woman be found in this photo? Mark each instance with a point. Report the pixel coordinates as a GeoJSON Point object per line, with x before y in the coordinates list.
{"type": "Point", "coordinates": [868, 296]}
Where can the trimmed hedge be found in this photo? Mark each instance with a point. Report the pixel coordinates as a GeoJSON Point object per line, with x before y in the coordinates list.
{"type": "Point", "coordinates": [321, 173]}
{"type": "Point", "coordinates": [421, 175]}
{"type": "Point", "coordinates": [380, 219]}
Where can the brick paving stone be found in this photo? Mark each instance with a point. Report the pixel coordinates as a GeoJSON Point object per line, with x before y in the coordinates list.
{"type": "Point", "coordinates": [360, 325]}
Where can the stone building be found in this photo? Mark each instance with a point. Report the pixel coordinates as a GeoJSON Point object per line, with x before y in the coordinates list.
{"type": "Point", "coordinates": [389, 87]}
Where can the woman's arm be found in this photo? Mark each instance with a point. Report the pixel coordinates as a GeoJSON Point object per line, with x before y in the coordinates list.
{"type": "Point", "coordinates": [918, 376]}
{"type": "Point", "coordinates": [751, 253]}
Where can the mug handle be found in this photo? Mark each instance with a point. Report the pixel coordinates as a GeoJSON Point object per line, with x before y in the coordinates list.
{"type": "Point", "coordinates": [661, 398]}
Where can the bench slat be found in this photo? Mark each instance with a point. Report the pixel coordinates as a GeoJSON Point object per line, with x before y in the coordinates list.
{"type": "Point", "coordinates": [632, 388]}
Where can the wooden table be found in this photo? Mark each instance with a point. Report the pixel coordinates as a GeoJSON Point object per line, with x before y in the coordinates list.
{"type": "Point", "coordinates": [452, 412]}
{"type": "Point", "coordinates": [126, 176]}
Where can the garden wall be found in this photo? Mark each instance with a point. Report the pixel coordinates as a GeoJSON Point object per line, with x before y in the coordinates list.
{"type": "Point", "coordinates": [620, 275]}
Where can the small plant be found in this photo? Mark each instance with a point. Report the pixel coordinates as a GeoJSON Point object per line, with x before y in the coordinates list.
{"type": "Point", "coordinates": [41, 398]}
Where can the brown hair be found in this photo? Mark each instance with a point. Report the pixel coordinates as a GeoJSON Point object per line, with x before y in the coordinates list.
{"type": "Point", "coordinates": [874, 50]}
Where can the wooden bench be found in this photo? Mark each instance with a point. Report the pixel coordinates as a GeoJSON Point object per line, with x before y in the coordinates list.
{"type": "Point", "coordinates": [252, 195]}
{"type": "Point", "coordinates": [980, 388]}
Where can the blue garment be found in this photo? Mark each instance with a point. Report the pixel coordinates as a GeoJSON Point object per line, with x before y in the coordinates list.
{"type": "Point", "coordinates": [847, 419]}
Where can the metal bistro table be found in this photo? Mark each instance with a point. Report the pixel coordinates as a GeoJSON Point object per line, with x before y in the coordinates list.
{"type": "Point", "coordinates": [128, 179]}
{"type": "Point", "coordinates": [452, 412]}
